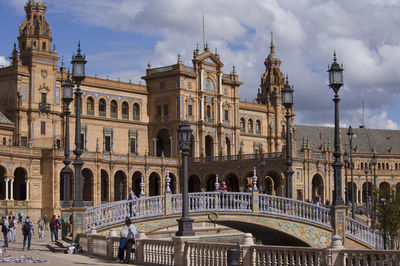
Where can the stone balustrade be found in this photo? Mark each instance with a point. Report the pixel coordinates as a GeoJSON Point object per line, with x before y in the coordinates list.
{"type": "Point", "coordinates": [364, 233]}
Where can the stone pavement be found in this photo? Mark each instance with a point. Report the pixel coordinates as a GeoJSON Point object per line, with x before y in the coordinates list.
{"type": "Point", "coordinates": [40, 250]}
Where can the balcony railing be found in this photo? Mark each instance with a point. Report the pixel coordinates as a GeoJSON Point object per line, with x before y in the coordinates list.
{"type": "Point", "coordinates": [125, 116]}
{"type": "Point", "coordinates": [114, 115]}
{"type": "Point", "coordinates": [44, 107]}
{"type": "Point", "coordinates": [90, 112]}
{"type": "Point", "coordinates": [136, 118]}
{"type": "Point", "coordinates": [253, 156]}
{"type": "Point", "coordinates": [102, 113]}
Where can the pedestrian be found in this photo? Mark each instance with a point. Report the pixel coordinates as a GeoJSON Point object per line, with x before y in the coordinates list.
{"type": "Point", "coordinates": [13, 224]}
{"type": "Point", "coordinates": [132, 205]}
{"type": "Point", "coordinates": [20, 218]}
{"type": "Point", "coordinates": [59, 222]}
{"type": "Point", "coordinates": [46, 222]}
{"type": "Point", "coordinates": [223, 187]}
{"type": "Point", "coordinates": [53, 229]}
{"type": "Point", "coordinates": [250, 188]}
{"type": "Point", "coordinates": [131, 241]}
{"type": "Point", "coordinates": [40, 228]}
{"type": "Point", "coordinates": [4, 230]}
{"type": "Point", "coordinates": [27, 231]}
{"type": "Point", "coordinates": [123, 240]}
{"type": "Point", "coordinates": [10, 229]}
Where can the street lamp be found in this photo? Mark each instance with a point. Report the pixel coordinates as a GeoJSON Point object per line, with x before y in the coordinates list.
{"type": "Point", "coordinates": [366, 171]}
{"type": "Point", "coordinates": [336, 82]}
{"type": "Point", "coordinates": [287, 101]}
{"type": "Point", "coordinates": [346, 165]}
{"type": "Point", "coordinates": [67, 98]}
{"type": "Point", "coordinates": [374, 162]}
{"type": "Point", "coordinates": [185, 224]}
{"type": "Point", "coordinates": [78, 75]}
{"type": "Point", "coordinates": [383, 201]}
{"type": "Point", "coordinates": [350, 133]}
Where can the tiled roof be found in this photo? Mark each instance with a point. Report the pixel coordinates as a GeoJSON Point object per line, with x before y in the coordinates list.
{"type": "Point", "coordinates": [384, 141]}
{"type": "Point", "coordinates": [4, 119]}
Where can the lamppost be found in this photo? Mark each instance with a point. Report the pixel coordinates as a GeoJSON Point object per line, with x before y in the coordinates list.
{"type": "Point", "coordinates": [121, 186]}
{"type": "Point", "coordinates": [374, 198]}
{"type": "Point", "coordinates": [287, 101]}
{"type": "Point", "coordinates": [78, 75]}
{"type": "Point", "coordinates": [366, 171]}
{"type": "Point", "coordinates": [350, 133]}
{"type": "Point", "coordinates": [383, 201]}
{"type": "Point", "coordinates": [346, 165]}
{"type": "Point", "coordinates": [185, 224]}
{"type": "Point", "coordinates": [67, 98]}
{"type": "Point", "coordinates": [336, 82]}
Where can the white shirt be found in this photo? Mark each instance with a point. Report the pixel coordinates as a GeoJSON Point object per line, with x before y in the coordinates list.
{"type": "Point", "coordinates": [132, 232]}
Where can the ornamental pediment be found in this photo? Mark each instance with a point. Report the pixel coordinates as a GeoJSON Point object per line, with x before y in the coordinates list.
{"type": "Point", "coordinates": [44, 89]}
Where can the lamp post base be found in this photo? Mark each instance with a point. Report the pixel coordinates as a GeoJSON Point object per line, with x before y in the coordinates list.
{"type": "Point", "coordinates": [185, 227]}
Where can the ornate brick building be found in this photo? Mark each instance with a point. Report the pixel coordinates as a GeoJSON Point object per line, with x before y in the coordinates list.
{"type": "Point", "coordinates": [129, 131]}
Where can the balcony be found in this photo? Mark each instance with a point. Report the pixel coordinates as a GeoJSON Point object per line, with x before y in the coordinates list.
{"type": "Point", "coordinates": [125, 116]}
{"type": "Point", "coordinates": [102, 113]}
{"type": "Point", "coordinates": [136, 118]}
{"type": "Point", "coordinates": [44, 107]}
{"type": "Point", "coordinates": [90, 112]}
{"type": "Point", "coordinates": [114, 115]}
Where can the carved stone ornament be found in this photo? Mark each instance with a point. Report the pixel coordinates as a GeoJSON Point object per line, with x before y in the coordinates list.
{"type": "Point", "coordinates": [44, 73]}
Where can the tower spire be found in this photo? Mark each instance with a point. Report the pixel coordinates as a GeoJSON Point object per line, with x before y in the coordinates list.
{"type": "Point", "coordinates": [272, 47]}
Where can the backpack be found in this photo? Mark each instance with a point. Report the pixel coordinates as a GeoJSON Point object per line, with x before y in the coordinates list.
{"type": "Point", "coordinates": [27, 227]}
{"type": "Point", "coordinates": [11, 224]}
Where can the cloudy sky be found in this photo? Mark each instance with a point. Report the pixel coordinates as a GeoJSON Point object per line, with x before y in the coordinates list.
{"type": "Point", "coordinates": [120, 37]}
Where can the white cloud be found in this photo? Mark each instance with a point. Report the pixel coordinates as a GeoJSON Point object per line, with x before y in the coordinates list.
{"type": "Point", "coordinates": [381, 120]}
{"type": "Point", "coordinates": [4, 61]}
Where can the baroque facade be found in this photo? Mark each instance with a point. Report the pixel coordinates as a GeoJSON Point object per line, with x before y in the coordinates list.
{"type": "Point", "coordinates": [129, 131]}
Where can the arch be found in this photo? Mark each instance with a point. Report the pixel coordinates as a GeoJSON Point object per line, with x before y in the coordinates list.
{"type": "Point", "coordinates": [4, 141]}
{"type": "Point", "coordinates": [136, 111]}
{"type": "Point", "coordinates": [87, 189]}
{"type": "Point", "coordinates": [275, 183]}
{"type": "Point", "coordinates": [90, 106]}
{"type": "Point", "coordinates": [154, 184]}
{"type": "Point", "coordinates": [125, 110]}
{"type": "Point", "coordinates": [172, 183]}
{"type": "Point", "coordinates": [19, 187]}
{"type": "Point", "coordinates": [398, 187]}
{"type": "Point", "coordinates": [250, 126]}
{"type": "Point", "coordinates": [228, 146]}
{"type": "Point", "coordinates": [258, 127]}
{"type": "Point", "coordinates": [3, 174]}
{"type": "Point", "coordinates": [242, 125]}
{"type": "Point", "coordinates": [163, 143]}
{"type": "Point", "coordinates": [209, 143]}
{"type": "Point", "coordinates": [365, 193]}
{"type": "Point", "coordinates": [387, 166]}
{"type": "Point", "coordinates": [384, 186]}
{"type": "Point", "coordinates": [114, 109]}
{"type": "Point", "coordinates": [232, 182]}
{"type": "Point", "coordinates": [105, 183]}
{"type": "Point", "coordinates": [194, 184]}
{"type": "Point", "coordinates": [136, 180]}
{"type": "Point", "coordinates": [317, 191]}
{"type": "Point", "coordinates": [120, 185]}
{"type": "Point", "coordinates": [211, 182]}
{"type": "Point", "coordinates": [102, 107]}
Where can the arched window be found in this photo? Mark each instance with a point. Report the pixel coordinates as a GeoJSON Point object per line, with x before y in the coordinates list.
{"type": "Point", "coordinates": [114, 109]}
{"type": "Point", "coordinates": [90, 106]}
{"type": "Point", "coordinates": [125, 110]}
{"type": "Point", "coordinates": [242, 123]}
{"type": "Point", "coordinates": [250, 126]}
{"type": "Point", "coordinates": [258, 127]}
{"type": "Point", "coordinates": [102, 107]}
{"type": "Point", "coordinates": [4, 141]}
{"type": "Point", "coordinates": [136, 111]}
{"type": "Point", "coordinates": [208, 111]}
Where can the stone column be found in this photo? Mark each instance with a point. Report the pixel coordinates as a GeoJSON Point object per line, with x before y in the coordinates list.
{"type": "Point", "coordinates": [7, 188]}
{"type": "Point", "coordinates": [27, 190]}
{"type": "Point", "coordinates": [220, 83]}
{"type": "Point", "coordinates": [202, 108]}
{"type": "Point", "coordinates": [201, 79]}
{"type": "Point", "coordinates": [155, 147]}
{"type": "Point", "coordinates": [12, 189]}
{"type": "Point", "coordinates": [220, 112]}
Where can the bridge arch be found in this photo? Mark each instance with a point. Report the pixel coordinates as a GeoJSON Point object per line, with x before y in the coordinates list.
{"type": "Point", "coordinates": [154, 184]}
{"type": "Point", "coordinates": [120, 185]}
{"type": "Point", "coordinates": [317, 189]}
{"type": "Point", "coordinates": [136, 180]}
{"type": "Point", "coordinates": [194, 184]}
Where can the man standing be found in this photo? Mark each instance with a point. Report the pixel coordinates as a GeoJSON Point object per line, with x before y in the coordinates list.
{"type": "Point", "coordinates": [4, 230]}
{"type": "Point", "coordinates": [40, 228]}
{"type": "Point", "coordinates": [131, 241]}
{"type": "Point", "coordinates": [53, 229]}
{"type": "Point", "coordinates": [132, 205]}
{"type": "Point", "coordinates": [27, 230]}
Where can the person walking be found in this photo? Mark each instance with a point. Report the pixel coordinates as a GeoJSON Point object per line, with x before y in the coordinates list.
{"type": "Point", "coordinates": [132, 205]}
{"type": "Point", "coordinates": [4, 230]}
{"type": "Point", "coordinates": [123, 240]}
{"type": "Point", "coordinates": [40, 228]}
{"type": "Point", "coordinates": [20, 218]}
{"type": "Point", "coordinates": [13, 224]}
{"type": "Point", "coordinates": [10, 229]}
{"type": "Point", "coordinates": [27, 231]}
{"type": "Point", "coordinates": [46, 222]}
{"type": "Point", "coordinates": [131, 240]}
{"type": "Point", "coordinates": [53, 229]}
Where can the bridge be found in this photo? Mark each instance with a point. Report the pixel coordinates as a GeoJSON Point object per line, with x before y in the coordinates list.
{"type": "Point", "coordinates": [306, 224]}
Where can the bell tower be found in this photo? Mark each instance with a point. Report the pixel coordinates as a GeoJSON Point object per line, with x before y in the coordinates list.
{"type": "Point", "coordinates": [34, 32]}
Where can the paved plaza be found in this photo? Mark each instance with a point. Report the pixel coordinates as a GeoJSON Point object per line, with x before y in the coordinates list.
{"type": "Point", "coordinates": [40, 251]}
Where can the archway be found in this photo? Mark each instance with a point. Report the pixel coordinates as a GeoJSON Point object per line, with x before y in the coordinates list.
{"type": "Point", "coordinates": [365, 193]}
{"type": "Point", "coordinates": [211, 182]}
{"type": "Point", "coordinates": [136, 180]}
{"type": "Point", "coordinates": [274, 183]}
{"type": "Point", "coordinates": [19, 188]}
{"type": "Point", "coordinates": [209, 145]}
{"type": "Point", "coordinates": [269, 185]}
{"type": "Point", "coordinates": [232, 182]}
{"type": "Point", "coordinates": [163, 143]}
{"type": "Point", "coordinates": [2, 183]}
{"type": "Point", "coordinates": [120, 186]}
{"type": "Point", "coordinates": [194, 184]}
{"type": "Point", "coordinates": [71, 188]}
{"type": "Point", "coordinates": [384, 186]}
{"type": "Point", "coordinates": [87, 184]}
{"type": "Point", "coordinates": [104, 185]}
{"type": "Point", "coordinates": [317, 191]}
{"type": "Point", "coordinates": [228, 146]}
{"type": "Point", "coordinates": [154, 184]}
{"type": "Point", "coordinates": [172, 183]}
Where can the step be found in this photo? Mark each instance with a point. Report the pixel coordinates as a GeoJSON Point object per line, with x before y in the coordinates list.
{"type": "Point", "coordinates": [53, 247]}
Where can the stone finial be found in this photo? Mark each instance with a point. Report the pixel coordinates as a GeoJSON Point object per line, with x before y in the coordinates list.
{"type": "Point", "coordinates": [54, 47]}
{"type": "Point", "coordinates": [113, 232]}
{"type": "Point", "coordinates": [248, 239]}
{"type": "Point", "coordinates": [141, 235]}
{"type": "Point", "coordinates": [216, 53]}
{"type": "Point", "coordinates": [216, 183]}
{"type": "Point", "coordinates": [303, 145]}
{"type": "Point", "coordinates": [167, 183]}
{"type": "Point", "coordinates": [234, 70]}
{"type": "Point", "coordinates": [148, 65]}
{"type": "Point", "coordinates": [337, 242]}
{"type": "Point", "coordinates": [142, 186]}
{"type": "Point", "coordinates": [206, 46]}
{"type": "Point", "coordinates": [62, 61]}
{"type": "Point", "coordinates": [308, 144]}
{"type": "Point", "coordinates": [255, 179]}
{"type": "Point", "coordinates": [329, 146]}
{"type": "Point", "coordinates": [179, 61]}
{"type": "Point", "coordinates": [93, 230]}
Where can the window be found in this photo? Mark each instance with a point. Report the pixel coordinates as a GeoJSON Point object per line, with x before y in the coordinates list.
{"type": "Point", "coordinates": [136, 111]}
{"type": "Point", "coordinates": [166, 111]}
{"type": "Point", "coordinates": [43, 46]}
{"type": "Point", "coordinates": [24, 141]}
{"type": "Point", "coordinates": [177, 84]}
{"type": "Point", "coordinates": [125, 110]}
{"type": "Point", "coordinates": [208, 111]}
{"type": "Point", "coordinates": [133, 145]}
{"type": "Point", "coordinates": [189, 84]}
{"type": "Point", "coordinates": [58, 143]}
{"type": "Point", "coordinates": [250, 126]}
{"type": "Point", "coordinates": [114, 109]}
{"type": "Point", "coordinates": [258, 127]}
{"type": "Point", "coordinates": [242, 122]}
{"type": "Point", "coordinates": [162, 85]}
{"type": "Point", "coordinates": [4, 141]}
{"type": "Point", "coordinates": [226, 92]}
{"type": "Point", "coordinates": [44, 98]}
{"type": "Point", "coordinates": [82, 141]}
{"type": "Point", "coordinates": [90, 106]}
{"type": "Point", "coordinates": [107, 145]}
{"type": "Point", "coordinates": [158, 110]}
{"type": "Point", "coordinates": [43, 128]}
{"type": "Point", "coordinates": [102, 107]}
{"type": "Point", "coordinates": [190, 110]}
{"type": "Point", "coordinates": [226, 115]}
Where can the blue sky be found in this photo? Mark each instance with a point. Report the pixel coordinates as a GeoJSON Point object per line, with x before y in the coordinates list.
{"type": "Point", "coordinates": [120, 37]}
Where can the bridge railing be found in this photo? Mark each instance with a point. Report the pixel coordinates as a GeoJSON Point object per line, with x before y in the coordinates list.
{"type": "Point", "coordinates": [295, 208]}
{"type": "Point", "coordinates": [363, 233]}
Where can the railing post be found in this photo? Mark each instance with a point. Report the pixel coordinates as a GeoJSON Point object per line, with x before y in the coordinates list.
{"type": "Point", "coordinates": [246, 249]}
{"type": "Point", "coordinates": [168, 203]}
{"type": "Point", "coordinates": [335, 258]}
{"type": "Point", "coordinates": [139, 252]}
{"type": "Point", "coordinates": [255, 201]}
{"type": "Point", "coordinates": [339, 221]}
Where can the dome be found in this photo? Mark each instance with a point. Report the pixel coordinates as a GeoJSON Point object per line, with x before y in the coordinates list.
{"type": "Point", "coordinates": [36, 2]}
{"type": "Point", "coordinates": [272, 57]}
